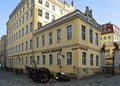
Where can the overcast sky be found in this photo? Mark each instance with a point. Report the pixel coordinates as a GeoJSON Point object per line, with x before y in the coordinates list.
{"type": "Point", "coordinates": [104, 11]}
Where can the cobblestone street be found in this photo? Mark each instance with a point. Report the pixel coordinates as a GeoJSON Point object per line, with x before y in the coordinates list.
{"type": "Point", "coordinates": [11, 79]}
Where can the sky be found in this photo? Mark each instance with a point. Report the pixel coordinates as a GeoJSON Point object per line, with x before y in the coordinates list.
{"type": "Point", "coordinates": [103, 11]}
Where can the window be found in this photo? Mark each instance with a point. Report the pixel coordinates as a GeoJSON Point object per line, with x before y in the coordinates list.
{"type": "Point", "coordinates": [58, 59]}
{"type": "Point", "coordinates": [22, 60]}
{"type": "Point", "coordinates": [105, 37]}
{"type": "Point", "coordinates": [22, 47]}
{"type": "Point", "coordinates": [91, 59]}
{"type": "Point", "coordinates": [47, 4]}
{"type": "Point", "coordinates": [19, 47]}
{"type": "Point", "coordinates": [39, 25]}
{"type": "Point", "coordinates": [43, 40]}
{"type": "Point", "coordinates": [50, 59]}
{"type": "Point", "coordinates": [22, 31]}
{"type": "Point", "coordinates": [31, 60]}
{"type": "Point", "coordinates": [39, 12]}
{"type": "Point", "coordinates": [20, 12]}
{"type": "Point", "coordinates": [53, 7]}
{"type": "Point", "coordinates": [23, 9]}
{"type": "Point", "coordinates": [109, 37]}
{"type": "Point", "coordinates": [38, 60]}
{"type": "Point", "coordinates": [26, 29]}
{"type": "Point", "coordinates": [31, 26]}
{"type": "Point", "coordinates": [26, 60]}
{"type": "Point", "coordinates": [19, 33]}
{"type": "Point", "coordinates": [40, 1]}
{"type": "Point", "coordinates": [27, 16]}
{"type": "Point", "coordinates": [31, 1]}
{"type": "Point", "coordinates": [58, 35]}
{"type": "Point", "coordinates": [50, 38]}
{"type": "Point", "coordinates": [19, 22]}
{"type": "Point", "coordinates": [16, 48]}
{"type": "Point", "coordinates": [28, 5]}
{"type": "Point", "coordinates": [31, 44]}
{"type": "Point", "coordinates": [53, 17]}
{"type": "Point", "coordinates": [97, 60]}
{"type": "Point", "coordinates": [96, 39]}
{"type": "Point", "coordinates": [69, 58]}
{"type": "Point", "coordinates": [83, 32]}
{"type": "Point", "coordinates": [91, 36]}
{"type": "Point", "coordinates": [84, 55]}
{"type": "Point", "coordinates": [46, 15]}
{"type": "Point", "coordinates": [69, 32]}
{"type": "Point", "coordinates": [26, 45]}
{"type": "Point", "coordinates": [37, 42]}
{"type": "Point", "coordinates": [43, 59]}
{"type": "Point", "coordinates": [17, 15]}
{"type": "Point", "coordinates": [31, 12]}
{"type": "Point", "coordinates": [22, 19]}
{"type": "Point", "coordinates": [16, 35]}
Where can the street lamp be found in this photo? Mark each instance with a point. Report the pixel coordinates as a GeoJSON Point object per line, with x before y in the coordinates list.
{"type": "Point", "coordinates": [113, 72]}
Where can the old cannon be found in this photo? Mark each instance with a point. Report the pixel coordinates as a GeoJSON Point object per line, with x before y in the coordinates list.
{"type": "Point", "coordinates": [43, 75]}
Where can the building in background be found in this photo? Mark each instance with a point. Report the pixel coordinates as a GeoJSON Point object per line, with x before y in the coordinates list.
{"type": "Point", "coordinates": [0, 53]}
{"type": "Point", "coordinates": [3, 48]}
{"type": "Point", "coordinates": [110, 33]}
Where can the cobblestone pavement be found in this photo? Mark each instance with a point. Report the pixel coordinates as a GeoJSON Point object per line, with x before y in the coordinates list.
{"type": "Point", "coordinates": [11, 79]}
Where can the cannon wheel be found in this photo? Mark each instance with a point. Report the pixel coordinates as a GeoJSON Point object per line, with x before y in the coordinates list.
{"type": "Point", "coordinates": [43, 75]}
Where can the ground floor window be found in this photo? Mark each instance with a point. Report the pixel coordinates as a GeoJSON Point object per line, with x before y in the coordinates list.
{"type": "Point", "coordinates": [38, 60]}
{"type": "Point", "coordinates": [50, 59]}
{"type": "Point", "coordinates": [31, 60]}
{"type": "Point", "coordinates": [69, 58]}
{"type": "Point", "coordinates": [91, 59]}
{"type": "Point", "coordinates": [84, 55]}
{"type": "Point", "coordinates": [43, 59]}
{"type": "Point", "coordinates": [97, 60]}
{"type": "Point", "coordinates": [58, 59]}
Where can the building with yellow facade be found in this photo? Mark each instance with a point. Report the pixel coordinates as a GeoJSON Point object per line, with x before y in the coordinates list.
{"type": "Point", "coordinates": [28, 16]}
{"type": "Point", "coordinates": [68, 42]}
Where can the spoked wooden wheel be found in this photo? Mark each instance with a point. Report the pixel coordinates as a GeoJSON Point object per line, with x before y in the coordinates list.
{"type": "Point", "coordinates": [43, 75]}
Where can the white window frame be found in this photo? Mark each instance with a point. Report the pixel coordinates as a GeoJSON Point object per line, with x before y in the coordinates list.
{"type": "Point", "coordinates": [82, 58]}
{"type": "Point", "coordinates": [66, 58]}
{"type": "Point", "coordinates": [42, 59]}
{"type": "Point", "coordinates": [66, 32]}
{"type": "Point", "coordinates": [49, 59]}
{"type": "Point", "coordinates": [57, 35]}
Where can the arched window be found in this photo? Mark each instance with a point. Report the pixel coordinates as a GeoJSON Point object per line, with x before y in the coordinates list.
{"type": "Point", "coordinates": [84, 55]}
{"type": "Point", "coordinates": [69, 58]}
